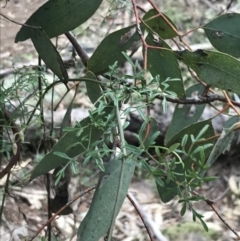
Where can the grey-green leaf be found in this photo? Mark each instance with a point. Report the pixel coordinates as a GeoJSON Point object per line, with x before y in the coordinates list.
{"type": "Point", "coordinates": [224, 33]}
{"type": "Point", "coordinates": [214, 68]}
{"type": "Point", "coordinates": [224, 141]}
{"type": "Point", "coordinates": [159, 25]}
{"type": "Point", "coordinates": [164, 63]}
{"type": "Point", "coordinates": [99, 217]}
{"type": "Point", "coordinates": [59, 16]}
{"type": "Point", "coordinates": [186, 115]}
{"type": "Point", "coordinates": [48, 53]}
{"type": "Point", "coordinates": [67, 117]}
{"type": "Point", "coordinates": [110, 49]}
{"type": "Point", "coordinates": [94, 90]}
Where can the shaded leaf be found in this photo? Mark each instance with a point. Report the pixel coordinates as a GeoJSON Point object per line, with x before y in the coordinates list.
{"type": "Point", "coordinates": [89, 134]}
{"type": "Point", "coordinates": [48, 53]}
{"type": "Point", "coordinates": [185, 115]}
{"type": "Point", "coordinates": [224, 141]}
{"type": "Point", "coordinates": [149, 131]}
{"type": "Point", "coordinates": [94, 90]}
{"type": "Point", "coordinates": [193, 129]}
{"type": "Point", "coordinates": [171, 187]}
{"type": "Point", "coordinates": [164, 63]}
{"type": "Point", "coordinates": [168, 191]}
{"type": "Point", "coordinates": [224, 33]}
{"type": "Point", "coordinates": [216, 69]}
{"type": "Point", "coordinates": [67, 117]}
{"type": "Point", "coordinates": [99, 217]}
{"type": "Point", "coordinates": [158, 25]}
{"type": "Point", "coordinates": [110, 49]}
{"type": "Point", "coordinates": [59, 16]}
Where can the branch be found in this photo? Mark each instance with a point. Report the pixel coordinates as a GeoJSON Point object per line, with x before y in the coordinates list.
{"type": "Point", "coordinates": [63, 208]}
{"type": "Point", "coordinates": [146, 220]}
{"type": "Point", "coordinates": [80, 51]}
{"type": "Point", "coordinates": [15, 158]}
{"type": "Point", "coordinates": [22, 24]}
{"type": "Point", "coordinates": [198, 100]}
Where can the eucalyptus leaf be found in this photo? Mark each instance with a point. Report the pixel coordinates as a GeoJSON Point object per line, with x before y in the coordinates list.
{"type": "Point", "coordinates": [98, 219]}
{"type": "Point", "coordinates": [186, 115]}
{"type": "Point", "coordinates": [216, 69]}
{"type": "Point", "coordinates": [94, 90]}
{"type": "Point", "coordinates": [159, 25]}
{"type": "Point", "coordinates": [163, 62]}
{"type": "Point", "coordinates": [149, 132]}
{"type": "Point", "coordinates": [168, 191]}
{"type": "Point", "coordinates": [58, 17]}
{"type": "Point", "coordinates": [224, 141]}
{"type": "Point", "coordinates": [67, 117]}
{"type": "Point", "coordinates": [110, 49]}
{"type": "Point", "coordinates": [48, 53]}
{"type": "Point", "coordinates": [224, 33]}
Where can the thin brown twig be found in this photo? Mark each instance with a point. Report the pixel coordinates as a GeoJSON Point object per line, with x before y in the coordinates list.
{"type": "Point", "coordinates": [22, 24]}
{"type": "Point", "coordinates": [230, 102]}
{"type": "Point", "coordinates": [210, 203]}
{"type": "Point", "coordinates": [145, 52]}
{"type": "Point", "coordinates": [63, 208]}
{"type": "Point", "coordinates": [141, 216]}
{"type": "Point", "coordinates": [80, 51]}
{"type": "Point", "coordinates": [15, 157]}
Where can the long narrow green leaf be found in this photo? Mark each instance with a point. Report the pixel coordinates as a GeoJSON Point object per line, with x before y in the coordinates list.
{"type": "Point", "coordinates": [99, 217]}
{"type": "Point", "coordinates": [48, 53]}
{"type": "Point", "coordinates": [94, 90]}
{"type": "Point", "coordinates": [67, 117]}
{"type": "Point", "coordinates": [216, 69]}
{"type": "Point", "coordinates": [164, 63]}
{"type": "Point", "coordinates": [110, 49]}
{"type": "Point", "coordinates": [224, 141]}
{"type": "Point", "coordinates": [58, 17]}
{"type": "Point", "coordinates": [186, 115]}
{"type": "Point", "coordinates": [224, 33]}
{"type": "Point", "coordinates": [159, 25]}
